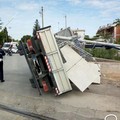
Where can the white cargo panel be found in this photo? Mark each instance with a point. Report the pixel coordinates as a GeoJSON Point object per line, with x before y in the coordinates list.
{"type": "Point", "coordinates": [97, 73]}
{"type": "Point", "coordinates": [79, 71]}
{"type": "Point", "coordinates": [55, 60]}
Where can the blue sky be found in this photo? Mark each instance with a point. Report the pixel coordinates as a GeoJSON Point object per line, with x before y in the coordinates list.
{"type": "Point", "coordinates": [82, 14]}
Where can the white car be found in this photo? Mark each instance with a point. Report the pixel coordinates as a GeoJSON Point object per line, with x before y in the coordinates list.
{"type": "Point", "coordinates": [14, 49]}
{"type": "Point", "coordinates": [7, 45]}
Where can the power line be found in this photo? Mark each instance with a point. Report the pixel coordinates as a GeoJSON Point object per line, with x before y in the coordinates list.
{"type": "Point", "coordinates": [9, 22]}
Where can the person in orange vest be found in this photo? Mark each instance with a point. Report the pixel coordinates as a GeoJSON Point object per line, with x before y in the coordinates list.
{"type": "Point", "coordinates": [2, 53]}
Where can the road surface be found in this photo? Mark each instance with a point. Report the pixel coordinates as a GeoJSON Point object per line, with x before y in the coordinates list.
{"type": "Point", "coordinates": [16, 92]}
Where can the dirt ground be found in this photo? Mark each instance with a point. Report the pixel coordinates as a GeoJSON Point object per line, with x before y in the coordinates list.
{"type": "Point", "coordinates": [110, 73]}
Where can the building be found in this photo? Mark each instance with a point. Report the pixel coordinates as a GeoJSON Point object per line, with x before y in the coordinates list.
{"type": "Point", "coordinates": [79, 33]}
{"type": "Point", "coordinates": [65, 32]}
{"type": "Point", "coordinates": [69, 32]}
{"type": "Point", "coordinates": [110, 31]}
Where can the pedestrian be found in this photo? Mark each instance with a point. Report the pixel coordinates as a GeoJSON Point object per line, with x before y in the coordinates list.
{"type": "Point", "coordinates": [9, 51]}
{"type": "Point", "coordinates": [2, 53]}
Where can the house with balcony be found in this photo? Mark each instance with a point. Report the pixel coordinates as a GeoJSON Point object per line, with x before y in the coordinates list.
{"type": "Point", "coordinates": [110, 31]}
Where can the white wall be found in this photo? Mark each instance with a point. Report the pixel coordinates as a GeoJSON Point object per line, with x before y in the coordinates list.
{"type": "Point", "coordinates": [80, 33]}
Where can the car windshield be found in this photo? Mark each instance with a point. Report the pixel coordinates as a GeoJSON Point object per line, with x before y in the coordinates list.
{"type": "Point", "coordinates": [6, 45]}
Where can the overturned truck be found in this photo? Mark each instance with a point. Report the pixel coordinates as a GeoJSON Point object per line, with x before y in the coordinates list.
{"type": "Point", "coordinates": [55, 68]}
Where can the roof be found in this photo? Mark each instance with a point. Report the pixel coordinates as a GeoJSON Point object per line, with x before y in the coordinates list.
{"type": "Point", "coordinates": [108, 26]}
{"type": "Point", "coordinates": [78, 30]}
{"type": "Point", "coordinates": [66, 32]}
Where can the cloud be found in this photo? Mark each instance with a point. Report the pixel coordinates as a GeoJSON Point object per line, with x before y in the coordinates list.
{"type": "Point", "coordinates": [83, 14]}
{"type": "Point", "coordinates": [104, 4]}
{"type": "Point", "coordinates": [75, 2]}
{"type": "Point", "coordinates": [95, 3]}
{"type": "Point", "coordinates": [106, 8]}
{"type": "Point", "coordinates": [27, 6]}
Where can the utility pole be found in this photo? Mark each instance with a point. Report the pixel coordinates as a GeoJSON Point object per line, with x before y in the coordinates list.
{"type": "Point", "coordinates": [65, 21]}
{"type": "Point", "coordinates": [41, 12]}
{"type": "Point", "coordinates": [58, 26]}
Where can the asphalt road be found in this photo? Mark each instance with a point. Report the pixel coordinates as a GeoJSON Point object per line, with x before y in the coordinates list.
{"type": "Point", "coordinates": [16, 92]}
{"type": "Point", "coordinates": [16, 75]}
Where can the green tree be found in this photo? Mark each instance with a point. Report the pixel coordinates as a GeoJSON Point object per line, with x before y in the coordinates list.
{"type": "Point", "coordinates": [87, 37]}
{"type": "Point", "coordinates": [117, 21]}
{"type": "Point", "coordinates": [10, 39]}
{"type": "Point", "coordinates": [36, 27]}
{"type": "Point", "coordinates": [4, 35]}
{"type": "Point", "coordinates": [117, 41]}
{"type": "Point", "coordinates": [25, 38]}
{"type": "Point", "coordinates": [0, 24]}
{"type": "Point", "coordinates": [1, 33]}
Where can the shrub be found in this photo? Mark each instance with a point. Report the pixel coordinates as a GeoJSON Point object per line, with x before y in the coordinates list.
{"type": "Point", "coordinates": [104, 53]}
